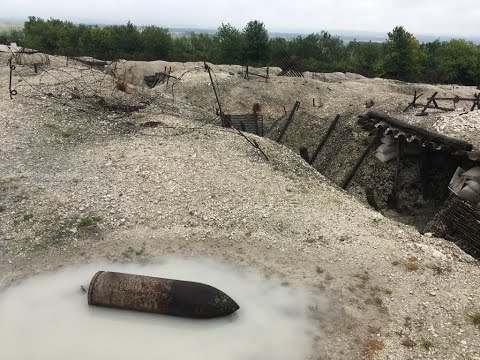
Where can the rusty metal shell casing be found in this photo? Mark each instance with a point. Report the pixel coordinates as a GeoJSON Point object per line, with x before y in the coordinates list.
{"type": "Point", "coordinates": [158, 295]}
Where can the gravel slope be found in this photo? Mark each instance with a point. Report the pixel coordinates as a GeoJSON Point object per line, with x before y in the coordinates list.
{"type": "Point", "coordinates": [77, 186]}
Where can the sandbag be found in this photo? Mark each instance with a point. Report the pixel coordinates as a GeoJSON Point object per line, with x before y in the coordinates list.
{"type": "Point", "coordinates": [386, 148]}
{"type": "Point", "coordinates": [473, 173]}
{"type": "Point", "coordinates": [469, 194]}
{"type": "Point", "coordinates": [474, 185]}
{"type": "Point", "coordinates": [389, 139]}
{"type": "Point", "coordinates": [386, 157]}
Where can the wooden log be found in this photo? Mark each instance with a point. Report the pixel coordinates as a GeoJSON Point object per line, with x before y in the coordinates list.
{"type": "Point", "coordinates": [351, 174]}
{"type": "Point", "coordinates": [324, 139]}
{"type": "Point", "coordinates": [425, 134]}
{"type": "Point", "coordinates": [289, 120]}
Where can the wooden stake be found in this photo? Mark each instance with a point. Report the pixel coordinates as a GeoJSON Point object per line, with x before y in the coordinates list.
{"type": "Point", "coordinates": [352, 172]}
{"type": "Point", "coordinates": [289, 120]}
{"type": "Point", "coordinates": [432, 99]}
{"type": "Point", "coordinates": [324, 139]}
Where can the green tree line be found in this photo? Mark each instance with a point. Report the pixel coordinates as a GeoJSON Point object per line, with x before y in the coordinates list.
{"type": "Point", "coordinates": [400, 57]}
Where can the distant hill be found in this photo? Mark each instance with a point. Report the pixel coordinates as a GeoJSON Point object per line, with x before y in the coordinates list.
{"type": "Point", "coordinates": [345, 35]}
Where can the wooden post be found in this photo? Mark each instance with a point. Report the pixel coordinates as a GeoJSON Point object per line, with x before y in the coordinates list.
{"type": "Point", "coordinates": [352, 172]}
{"type": "Point", "coordinates": [425, 173]}
{"type": "Point", "coordinates": [324, 139]}
{"type": "Point", "coordinates": [12, 92]}
{"type": "Point", "coordinates": [168, 76]}
{"type": "Point", "coordinates": [289, 120]}
{"type": "Point", "coordinates": [414, 102]}
{"type": "Point", "coordinates": [394, 193]}
{"type": "Point", "coordinates": [304, 153]}
{"type": "Point", "coordinates": [432, 99]}
{"type": "Point", "coordinates": [476, 102]}
{"type": "Point", "coordinates": [268, 74]}
{"type": "Point", "coordinates": [371, 198]}
{"type": "Point", "coordinates": [222, 115]}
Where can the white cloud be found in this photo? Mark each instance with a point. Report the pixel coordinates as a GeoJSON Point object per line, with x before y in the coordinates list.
{"type": "Point", "coordinates": [418, 16]}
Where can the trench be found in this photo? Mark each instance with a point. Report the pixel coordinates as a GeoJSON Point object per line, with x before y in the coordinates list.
{"type": "Point", "coordinates": [47, 317]}
{"type": "Point", "coordinates": [412, 189]}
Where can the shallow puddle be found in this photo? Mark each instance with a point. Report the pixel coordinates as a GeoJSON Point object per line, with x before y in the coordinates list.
{"type": "Point", "coordinates": [47, 317]}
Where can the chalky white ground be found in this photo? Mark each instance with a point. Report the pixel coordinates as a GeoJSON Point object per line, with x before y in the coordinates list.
{"type": "Point", "coordinates": [80, 186]}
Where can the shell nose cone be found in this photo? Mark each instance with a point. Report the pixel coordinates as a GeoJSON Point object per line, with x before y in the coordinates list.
{"type": "Point", "coordinates": [202, 301]}
{"type": "Point", "coordinates": [230, 305]}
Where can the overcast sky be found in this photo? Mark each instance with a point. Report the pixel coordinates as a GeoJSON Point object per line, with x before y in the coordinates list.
{"type": "Point", "coordinates": [437, 17]}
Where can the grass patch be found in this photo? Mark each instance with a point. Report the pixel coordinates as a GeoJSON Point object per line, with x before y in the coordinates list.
{"type": "Point", "coordinates": [138, 116]}
{"type": "Point", "coordinates": [131, 252]}
{"type": "Point", "coordinates": [427, 344]}
{"type": "Point", "coordinates": [89, 221]}
{"type": "Point", "coordinates": [27, 217]}
{"type": "Point", "coordinates": [476, 319]}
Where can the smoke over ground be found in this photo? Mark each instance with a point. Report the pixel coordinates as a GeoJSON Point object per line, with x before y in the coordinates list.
{"type": "Point", "coordinates": [47, 317]}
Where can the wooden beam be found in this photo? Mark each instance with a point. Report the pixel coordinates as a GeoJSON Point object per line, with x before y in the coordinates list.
{"type": "Point", "coordinates": [351, 174]}
{"type": "Point", "coordinates": [414, 102]}
{"type": "Point", "coordinates": [476, 103]}
{"type": "Point", "coordinates": [435, 107]}
{"type": "Point", "coordinates": [396, 182]}
{"type": "Point", "coordinates": [430, 100]}
{"type": "Point", "coordinates": [324, 139]}
{"type": "Point", "coordinates": [289, 120]}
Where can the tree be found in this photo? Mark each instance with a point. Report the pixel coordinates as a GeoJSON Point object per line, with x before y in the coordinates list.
{"type": "Point", "coordinates": [126, 40]}
{"type": "Point", "coordinates": [230, 43]}
{"type": "Point", "coordinates": [365, 58]}
{"type": "Point", "coordinates": [402, 55]}
{"type": "Point", "coordinates": [459, 62]}
{"type": "Point", "coordinates": [256, 48]}
{"type": "Point", "coordinates": [157, 43]}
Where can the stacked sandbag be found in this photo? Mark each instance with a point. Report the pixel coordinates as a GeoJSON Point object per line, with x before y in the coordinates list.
{"type": "Point", "coordinates": [471, 190]}
{"type": "Point", "coordinates": [388, 150]}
